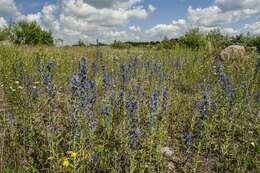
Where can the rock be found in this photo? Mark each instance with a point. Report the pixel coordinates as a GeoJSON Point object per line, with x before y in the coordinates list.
{"type": "Point", "coordinates": [167, 152]}
{"type": "Point", "coordinates": [233, 53]}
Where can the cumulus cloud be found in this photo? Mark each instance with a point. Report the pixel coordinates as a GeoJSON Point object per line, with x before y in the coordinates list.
{"type": "Point", "coordinates": [8, 7]}
{"type": "Point", "coordinates": [224, 30]}
{"type": "Point", "coordinates": [213, 15]}
{"type": "Point", "coordinates": [108, 20]}
{"type": "Point", "coordinates": [3, 22]}
{"type": "Point", "coordinates": [253, 28]}
{"type": "Point", "coordinates": [135, 28]}
{"type": "Point", "coordinates": [87, 19]}
{"type": "Point", "coordinates": [170, 30]}
{"type": "Point", "coordinates": [222, 13]}
{"type": "Point", "coordinates": [171, 27]}
{"type": "Point", "coordinates": [151, 8]}
{"type": "Point", "coordinates": [99, 4]}
{"type": "Point", "coordinates": [231, 5]}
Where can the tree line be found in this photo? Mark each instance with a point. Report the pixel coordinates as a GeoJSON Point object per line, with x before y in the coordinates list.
{"type": "Point", "coordinates": [31, 33]}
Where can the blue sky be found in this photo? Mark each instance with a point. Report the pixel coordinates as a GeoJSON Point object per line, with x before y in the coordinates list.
{"type": "Point", "coordinates": [135, 20]}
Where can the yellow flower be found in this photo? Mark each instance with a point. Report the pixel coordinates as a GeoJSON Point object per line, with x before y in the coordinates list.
{"type": "Point", "coordinates": [65, 163]}
{"type": "Point", "coordinates": [50, 158]}
{"type": "Point", "coordinates": [72, 154]}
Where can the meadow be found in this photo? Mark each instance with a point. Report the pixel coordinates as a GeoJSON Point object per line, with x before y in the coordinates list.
{"type": "Point", "coordinates": [138, 110]}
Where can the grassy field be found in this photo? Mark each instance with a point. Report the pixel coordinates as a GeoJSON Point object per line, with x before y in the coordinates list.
{"type": "Point", "coordinates": [137, 110]}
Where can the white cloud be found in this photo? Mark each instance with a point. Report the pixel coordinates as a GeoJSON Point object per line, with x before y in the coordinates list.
{"type": "Point", "coordinates": [214, 16]}
{"type": "Point", "coordinates": [89, 19]}
{"type": "Point", "coordinates": [3, 22]}
{"type": "Point", "coordinates": [252, 28]}
{"type": "Point", "coordinates": [135, 28]}
{"type": "Point", "coordinates": [151, 8]}
{"type": "Point", "coordinates": [224, 30]}
{"type": "Point", "coordinates": [99, 4]}
{"type": "Point", "coordinates": [172, 29]}
{"type": "Point", "coordinates": [231, 5]}
{"type": "Point", "coordinates": [223, 13]}
{"type": "Point", "coordinates": [8, 7]}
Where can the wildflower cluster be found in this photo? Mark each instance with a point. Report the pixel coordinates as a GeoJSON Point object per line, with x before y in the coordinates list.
{"type": "Point", "coordinates": [50, 87]}
{"type": "Point", "coordinates": [224, 79]}
{"type": "Point", "coordinates": [83, 91]}
{"type": "Point", "coordinates": [127, 114]}
{"type": "Point", "coordinates": [133, 131]}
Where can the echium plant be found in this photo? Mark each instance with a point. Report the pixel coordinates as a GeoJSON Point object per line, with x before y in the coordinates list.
{"type": "Point", "coordinates": [50, 87]}
{"type": "Point", "coordinates": [28, 83]}
{"type": "Point", "coordinates": [246, 95]}
{"type": "Point", "coordinates": [225, 81]}
{"type": "Point", "coordinates": [123, 73]}
{"type": "Point", "coordinates": [135, 65]}
{"type": "Point", "coordinates": [105, 78]}
{"type": "Point", "coordinates": [107, 108]}
{"type": "Point", "coordinates": [32, 92]}
{"type": "Point", "coordinates": [258, 65]}
{"type": "Point", "coordinates": [189, 135]}
{"type": "Point", "coordinates": [165, 99]}
{"type": "Point", "coordinates": [18, 71]}
{"type": "Point", "coordinates": [83, 92]}
{"type": "Point", "coordinates": [133, 131]}
{"type": "Point", "coordinates": [154, 101]}
{"type": "Point", "coordinates": [203, 109]}
{"type": "Point", "coordinates": [38, 64]}
{"type": "Point", "coordinates": [94, 68]}
{"type": "Point", "coordinates": [187, 138]}
{"type": "Point", "coordinates": [29, 89]}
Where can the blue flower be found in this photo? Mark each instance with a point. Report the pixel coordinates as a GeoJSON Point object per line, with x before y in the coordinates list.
{"type": "Point", "coordinates": [83, 92]}
{"type": "Point", "coordinates": [38, 64]}
{"type": "Point", "coordinates": [224, 80]}
{"type": "Point", "coordinates": [50, 88]}
{"type": "Point", "coordinates": [133, 131]}
{"type": "Point", "coordinates": [105, 76]}
{"type": "Point", "coordinates": [154, 105]}
{"type": "Point", "coordinates": [165, 99]}
{"type": "Point", "coordinates": [187, 141]}
{"type": "Point", "coordinates": [123, 72]}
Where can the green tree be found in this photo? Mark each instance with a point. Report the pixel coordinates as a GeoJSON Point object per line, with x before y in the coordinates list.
{"type": "Point", "coordinates": [3, 34]}
{"type": "Point", "coordinates": [31, 33]}
{"type": "Point", "coordinates": [193, 38]}
{"type": "Point", "coordinates": [252, 41]}
{"type": "Point", "coordinates": [217, 39]}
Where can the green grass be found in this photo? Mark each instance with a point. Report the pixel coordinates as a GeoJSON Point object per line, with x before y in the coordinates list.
{"type": "Point", "coordinates": [35, 139]}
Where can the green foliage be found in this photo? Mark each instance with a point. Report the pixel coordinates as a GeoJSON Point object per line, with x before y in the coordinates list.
{"type": "Point", "coordinates": [252, 41]}
{"type": "Point", "coordinates": [167, 44]}
{"type": "Point", "coordinates": [30, 33]}
{"type": "Point", "coordinates": [120, 45]}
{"type": "Point", "coordinates": [217, 39]}
{"type": "Point", "coordinates": [3, 34]}
{"type": "Point", "coordinates": [193, 39]}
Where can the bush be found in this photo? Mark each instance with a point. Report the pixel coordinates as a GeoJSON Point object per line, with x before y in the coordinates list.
{"type": "Point", "coordinates": [120, 45]}
{"type": "Point", "coordinates": [217, 39]}
{"type": "Point", "coordinates": [30, 33]}
{"type": "Point", "coordinates": [3, 35]}
{"type": "Point", "coordinates": [252, 41]}
{"type": "Point", "coordinates": [193, 39]}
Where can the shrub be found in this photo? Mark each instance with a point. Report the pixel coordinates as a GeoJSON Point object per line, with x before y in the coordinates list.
{"type": "Point", "coordinates": [252, 41]}
{"type": "Point", "coordinates": [3, 34]}
{"type": "Point", "coordinates": [217, 39]}
{"type": "Point", "coordinates": [193, 39]}
{"type": "Point", "coordinates": [31, 33]}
